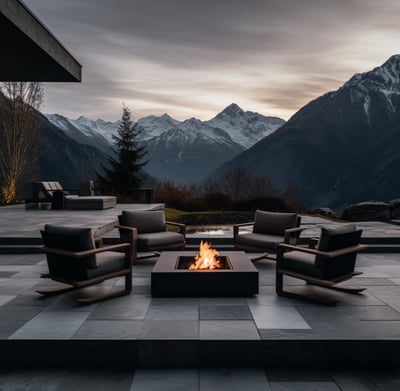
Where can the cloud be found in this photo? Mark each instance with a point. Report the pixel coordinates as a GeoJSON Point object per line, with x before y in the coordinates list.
{"type": "Point", "coordinates": [155, 52]}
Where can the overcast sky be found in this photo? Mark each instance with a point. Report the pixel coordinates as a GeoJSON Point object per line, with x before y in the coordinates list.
{"type": "Point", "coordinates": [192, 58]}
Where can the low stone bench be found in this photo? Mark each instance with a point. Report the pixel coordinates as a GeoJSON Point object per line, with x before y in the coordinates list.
{"type": "Point", "coordinates": [90, 202]}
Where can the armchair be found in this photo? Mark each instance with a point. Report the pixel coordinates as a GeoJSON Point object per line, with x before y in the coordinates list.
{"type": "Point", "coordinates": [269, 230]}
{"type": "Point", "coordinates": [332, 262]}
{"type": "Point", "coordinates": [73, 259]}
{"type": "Point", "coordinates": [148, 231]}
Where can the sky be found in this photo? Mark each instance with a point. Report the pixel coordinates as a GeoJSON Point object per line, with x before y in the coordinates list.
{"type": "Point", "coordinates": [192, 58]}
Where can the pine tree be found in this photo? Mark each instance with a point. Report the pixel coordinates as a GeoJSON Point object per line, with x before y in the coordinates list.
{"type": "Point", "coordinates": [124, 174]}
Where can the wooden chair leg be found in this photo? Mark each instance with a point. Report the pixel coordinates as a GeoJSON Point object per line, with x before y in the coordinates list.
{"type": "Point", "coordinates": [56, 291]}
{"type": "Point", "coordinates": [279, 283]}
{"type": "Point", "coordinates": [122, 292]}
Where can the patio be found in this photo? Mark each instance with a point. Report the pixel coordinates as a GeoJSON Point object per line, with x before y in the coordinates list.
{"type": "Point", "coordinates": [139, 331]}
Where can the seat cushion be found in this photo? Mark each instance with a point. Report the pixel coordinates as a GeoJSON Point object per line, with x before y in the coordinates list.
{"type": "Point", "coordinates": [90, 202]}
{"type": "Point", "coordinates": [273, 223]}
{"type": "Point", "coordinates": [158, 239]}
{"type": "Point", "coordinates": [70, 238]}
{"type": "Point", "coordinates": [107, 262]}
{"type": "Point", "coordinates": [267, 242]}
{"type": "Point", "coordinates": [145, 221]}
{"type": "Point", "coordinates": [301, 263]}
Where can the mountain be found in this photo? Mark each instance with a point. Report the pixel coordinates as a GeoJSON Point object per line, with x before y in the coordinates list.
{"type": "Point", "coordinates": [61, 158]}
{"type": "Point", "coordinates": [181, 151]}
{"type": "Point", "coordinates": [86, 131]}
{"type": "Point", "coordinates": [189, 151]}
{"type": "Point", "coordinates": [245, 128]}
{"type": "Point", "coordinates": [341, 147]}
{"type": "Point", "coordinates": [153, 126]}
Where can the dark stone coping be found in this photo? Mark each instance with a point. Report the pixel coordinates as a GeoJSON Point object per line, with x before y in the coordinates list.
{"type": "Point", "coordinates": [206, 353]}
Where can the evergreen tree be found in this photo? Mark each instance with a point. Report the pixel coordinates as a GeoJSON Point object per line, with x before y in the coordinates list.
{"type": "Point", "coordinates": [124, 174]}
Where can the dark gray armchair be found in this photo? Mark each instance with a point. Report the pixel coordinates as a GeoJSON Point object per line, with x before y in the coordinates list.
{"type": "Point", "coordinates": [73, 259]}
{"type": "Point", "coordinates": [332, 262]}
{"type": "Point", "coordinates": [148, 230]}
{"type": "Point", "coordinates": [269, 230]}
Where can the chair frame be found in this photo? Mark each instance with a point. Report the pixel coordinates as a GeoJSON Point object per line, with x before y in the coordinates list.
{"type": "Point", "coordinates": [132, 231]}
{"type": "Point", "coordinates": [326, 283]}
{"type": "Point", "coordinates": [290, 237]}
{"type": "Point", "coordinates": [126, 271]}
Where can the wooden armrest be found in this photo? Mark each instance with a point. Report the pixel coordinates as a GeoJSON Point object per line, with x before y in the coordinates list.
{"type": "Point", "coordinates": [125, 227]}
{"type": "Point", "coordinates": [182, 227]}
{"type": "Point", "coordinates": [295, 230]}
{"type": "Point", "coordinates": [326, 254]}
{"type": "Point", "coordinates": [129, 229]}
{"type": "Point", "coordinates": [291, 233]}
{"type": "Point", "coordinates": [82, 254]}
{"type": "Point", "coordinates": [243, 224]}
{"type": "Point", "coordinates": [236, 227]}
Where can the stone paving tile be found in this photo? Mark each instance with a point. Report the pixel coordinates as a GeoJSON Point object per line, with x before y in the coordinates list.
{"type": "Point", "coordinates": [35, 300]}
{"type": "Point", "coordinates": [11, 312]}
{"type": "Point", "coordinates": [377, 313]}
{"type": "Point", "coordinates": [169, 329]}
{"type": "Point", "coordinates": [304, 386]}
{"type": "Point", "coordinates": [7, 274]}
{"type": "Point", "coordinates": [67, 302]}
{"type": "Point", "coordinates": [173, 312]}
{"type": "Point", "coordinates": [12, 286]}
{"type": "Point", "coordinates": [51, 325]}
{"type": "Point", "coordinates": [109, 329]}
{"type": "Point", "coordinates": [388, 294]}
{"type": "Point", "coordinates": [233, 379]}
{"type": "Point", "coordinates": [8, 327]}
{"type": "Point", "coordinates": [228, 329]}
{"type": "Point", "coordinates": [4, 299]}
{"type": "Point", "coordinates": [124, 307]}
{"type": "Point", "coordinates": [166, 379]}
{"type": "Point", "coordinates": [222, 301]}
{"type": "Point", "coordinates": [354, 329]}
{"type": "Point", "coordinates": [273, 317]}
{"type": "Point", "coordinates": [221, 312]}
{"type": "Point", "coordinates": [66, 379]}
{"type": "Point", "coordinates": [371, 281]}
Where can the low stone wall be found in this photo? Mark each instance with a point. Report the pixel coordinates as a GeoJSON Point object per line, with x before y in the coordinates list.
{"type": "Point", "coordinates": [217, 218]}
{"type": "Point", "coordinates": [372, 211]}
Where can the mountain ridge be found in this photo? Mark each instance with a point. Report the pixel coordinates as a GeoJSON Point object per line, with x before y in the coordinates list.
{"type": "Point", "coordinates": [322, 150]}
{"type": "Point", "coordinates": [180, 150]}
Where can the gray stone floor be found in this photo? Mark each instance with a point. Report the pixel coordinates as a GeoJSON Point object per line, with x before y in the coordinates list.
{"type": "Point", "coordinates": [24, 315]}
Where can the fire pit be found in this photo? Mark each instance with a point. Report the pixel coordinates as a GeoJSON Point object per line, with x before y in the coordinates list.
{"type": "Point", "coordinates": [178, 274]}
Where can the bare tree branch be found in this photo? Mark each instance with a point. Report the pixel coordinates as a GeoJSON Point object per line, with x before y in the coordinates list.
{"type": "Point", "coordinates": [18, 134]}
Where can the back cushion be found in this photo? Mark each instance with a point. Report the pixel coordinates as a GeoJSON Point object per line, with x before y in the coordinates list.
{"type": "Point", "coordinates": [335, 238]}
{"type": "Point", "coordinates": [273, 223]}
{"type": "Point", "coordinates": [144, 221]}
{"type": "Point", "coordinates": [71, 239]}
{"type": "Point", "coordinates": [339, 236]}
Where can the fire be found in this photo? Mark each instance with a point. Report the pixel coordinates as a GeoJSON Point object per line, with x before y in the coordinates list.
{"type": "Point", "coordinates": [206, 259]}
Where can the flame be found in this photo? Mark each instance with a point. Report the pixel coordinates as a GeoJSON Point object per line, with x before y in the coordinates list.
{"type": "Point", "coordinates": [206, 259]}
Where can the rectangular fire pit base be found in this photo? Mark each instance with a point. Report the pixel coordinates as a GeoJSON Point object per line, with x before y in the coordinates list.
{"type": "Point", "coordinates": [168, 281]}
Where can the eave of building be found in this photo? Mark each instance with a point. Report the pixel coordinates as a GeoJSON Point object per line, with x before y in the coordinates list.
{"type": "Point", "coordinates": [29, 51]}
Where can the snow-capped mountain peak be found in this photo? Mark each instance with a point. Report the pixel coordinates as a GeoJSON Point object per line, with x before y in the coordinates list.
{"type": "Point", "coordinates": [245, 128]}
{"type": "Point", "coordinates": [377, 90]}
{"type": "Point", "coordinates": [385, 76]}
{"type": "Point", "coordinates": [175, 146]}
